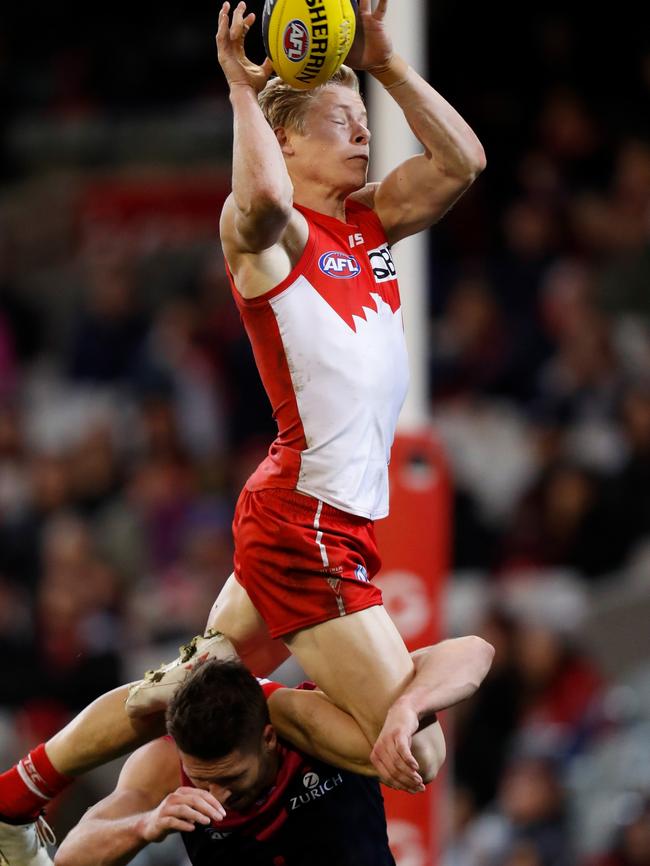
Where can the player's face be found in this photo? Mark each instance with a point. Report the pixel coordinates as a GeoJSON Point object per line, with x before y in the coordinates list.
{"type": "Point", "coordinates": [335, 142]}
{"type": "Point", "coordinates": [239, 779]}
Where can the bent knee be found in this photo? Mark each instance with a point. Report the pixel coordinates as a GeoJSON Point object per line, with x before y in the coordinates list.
{"type": "Point", "coordinates": [429, 750]}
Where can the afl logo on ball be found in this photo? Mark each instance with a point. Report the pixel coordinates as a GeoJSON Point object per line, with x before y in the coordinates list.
{"type": "Point", "coordinates": [339, 265]}
{"type": "Point", "coordinates": [296, 40]}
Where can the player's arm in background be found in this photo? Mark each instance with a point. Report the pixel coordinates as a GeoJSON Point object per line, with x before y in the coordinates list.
{"type": "Point", "coordinates": [417, 193]}
{"type": "Point", "coordinates": [146, 806]}
{"type": "Point", "coordinates": [445, 674]}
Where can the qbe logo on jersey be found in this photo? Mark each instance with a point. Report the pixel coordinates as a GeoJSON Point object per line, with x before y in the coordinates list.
{"type": "Point", "coordinates": [340, 265]}
{"type": "Point", "coordinates": [383, 266]}
{"type": "Point", "coordinates": [296, 40]}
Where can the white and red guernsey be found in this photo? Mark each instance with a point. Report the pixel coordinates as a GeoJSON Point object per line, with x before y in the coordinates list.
{"type": "Point", "coordinates": [329, 346]}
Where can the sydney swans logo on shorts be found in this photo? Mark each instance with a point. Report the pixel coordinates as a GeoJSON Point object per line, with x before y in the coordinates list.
{"type": "Point", "coordinates": [361, 574]}
{"type": "Point", "coordinates": [340, 265]}
{"type": "Point", "coordinates": [296, 40]}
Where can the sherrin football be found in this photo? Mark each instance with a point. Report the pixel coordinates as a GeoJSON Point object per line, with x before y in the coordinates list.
{"type": "Point", "coordinates": [308, 40]}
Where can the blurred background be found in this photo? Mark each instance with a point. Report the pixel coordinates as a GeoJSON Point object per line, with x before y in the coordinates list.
{"type": "Point", "coordinates": [131, 412]}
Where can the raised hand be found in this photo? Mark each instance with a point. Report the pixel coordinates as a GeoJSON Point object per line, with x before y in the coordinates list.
{"type": "Point", "coordinates": [372, 44]}
{"type": "Point", "coordinates": [181, 811]}
{"type": "Point", "coordinates": [238, 69]}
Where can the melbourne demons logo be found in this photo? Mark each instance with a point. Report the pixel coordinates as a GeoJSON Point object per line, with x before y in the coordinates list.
{"type": "Point", "coordinates": [296, 40]}
{"type": "Point", "coordinates": [340, 265]}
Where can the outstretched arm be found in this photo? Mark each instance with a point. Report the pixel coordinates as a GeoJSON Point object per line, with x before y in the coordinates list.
{"type": "Point", "coordinates": [445, 675]}
{"type": "Point", "coordinates": [417, 193]}
{"type": "Point", "coordinates": [145, 807]}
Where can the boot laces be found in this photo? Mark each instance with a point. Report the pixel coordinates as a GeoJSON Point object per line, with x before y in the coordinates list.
{"type": "Point", "coordinates": [44, 832]}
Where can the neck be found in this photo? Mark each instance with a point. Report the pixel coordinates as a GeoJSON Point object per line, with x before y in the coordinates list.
{"type": "Point", "coordinates": [326, 201]}
{"type": "Point", "coordinates": [273, 766]}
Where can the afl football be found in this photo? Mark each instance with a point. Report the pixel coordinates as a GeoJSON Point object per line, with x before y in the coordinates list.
{"type": "Point", "coordinates": [308, 40]}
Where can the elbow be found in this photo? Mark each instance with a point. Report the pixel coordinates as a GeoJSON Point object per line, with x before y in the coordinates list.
{"type": "Point", "coordinates": [269, 206]}
{"type": "Point", "coordinates": [473, 164]}
{"type": "Point", "coordinates": [478, 161]}
{"type": "Point", "coordinates": [474, 660]}
{"type": "Point", "coordinates": [481, 654]}
{"type": "Point", "coordinates": [262, 224]}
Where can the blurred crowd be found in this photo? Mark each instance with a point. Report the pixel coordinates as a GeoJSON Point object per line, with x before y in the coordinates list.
{"type": "Point", "coordinates": [131, 413]}
{"type": "Point", "coordinates": [540, 388]}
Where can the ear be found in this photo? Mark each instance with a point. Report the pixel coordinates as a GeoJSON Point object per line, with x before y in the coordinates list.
{"type": "Point", "coordinates": [285, 140]}
{"type": "Point", "coordinates": [269, 738]}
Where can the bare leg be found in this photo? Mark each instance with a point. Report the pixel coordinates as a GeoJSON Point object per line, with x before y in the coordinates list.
{"type": "Point", "coordinates": [234, 614]}
{"type": "Point", "coordinates": [361, 663]}
{"type": "Point", "coordinates": [101, 733]}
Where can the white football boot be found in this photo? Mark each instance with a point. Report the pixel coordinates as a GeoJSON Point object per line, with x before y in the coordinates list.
{"type": "Point", "coordinates": [153, 693]}
{"type": "Point", "coordinates": [26, 844]}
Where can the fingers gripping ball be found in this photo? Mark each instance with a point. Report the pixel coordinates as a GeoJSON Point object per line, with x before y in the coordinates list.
{"type": "Point", "coordinates": [308, 40]}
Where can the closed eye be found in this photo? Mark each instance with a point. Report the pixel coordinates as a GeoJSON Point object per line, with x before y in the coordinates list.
{"type": "Point", "coordinates": [228, 779]}
{"type": "Point", "coordinates": [221, 780]}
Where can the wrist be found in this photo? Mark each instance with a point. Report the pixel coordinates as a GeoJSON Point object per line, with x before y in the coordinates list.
{"type": "Point", "coordinates": [392, 73]}
{"type": "Point", "coordinates": [417, 701]}
{"type": "Point", "coordinates": [143, 830]}
{"type": "Point", "coordinates": [243, 89]}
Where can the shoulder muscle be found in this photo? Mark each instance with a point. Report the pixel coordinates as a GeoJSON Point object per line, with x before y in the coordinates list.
{"type": "Point", "coordinates": [154, 768]}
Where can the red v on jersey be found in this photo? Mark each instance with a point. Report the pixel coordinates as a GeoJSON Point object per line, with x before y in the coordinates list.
{"type": "Point", "coordinates": [354, 270]}
{"type": "Point", "coordinates": [351, 298]}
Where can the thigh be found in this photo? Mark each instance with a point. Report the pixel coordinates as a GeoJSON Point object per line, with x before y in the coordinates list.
{"type": "Point", "coordinates": [359, 661]}
{"type": "Point", "coordinates": [234, 614]}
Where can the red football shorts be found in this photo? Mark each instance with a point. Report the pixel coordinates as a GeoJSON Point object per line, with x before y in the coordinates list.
{"type": "Point", "coordinates": [302, 561]}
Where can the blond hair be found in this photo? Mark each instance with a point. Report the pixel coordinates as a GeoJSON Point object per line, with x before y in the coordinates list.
{"type": "Point", "coordinates": [283, 105]}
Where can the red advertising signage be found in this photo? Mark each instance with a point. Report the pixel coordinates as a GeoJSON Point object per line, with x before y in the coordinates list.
{"type": "Point", "coordinates": [414, 542]}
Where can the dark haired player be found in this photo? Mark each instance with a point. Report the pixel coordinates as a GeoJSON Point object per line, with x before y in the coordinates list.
{"type": "Point", "coordinates": [236, 792]}
{"type": "Point", "coordinates": [445, 674]}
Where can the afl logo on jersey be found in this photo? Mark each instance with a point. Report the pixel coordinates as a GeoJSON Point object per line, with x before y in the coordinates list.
{"type": "Point", "coordinates": [296, 40]}
{"type": "Point", "coordinates": [340, 265]}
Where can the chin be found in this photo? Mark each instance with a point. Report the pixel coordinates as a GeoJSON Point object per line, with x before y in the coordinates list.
{"type": "Point", "coordinates": [357, 184]}
{"type": "Point", "coordinates": [350, 190]}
